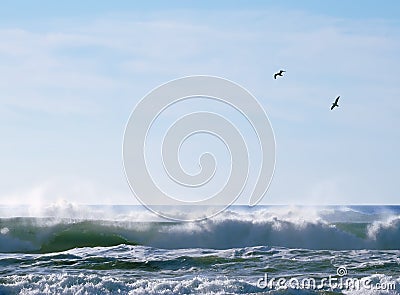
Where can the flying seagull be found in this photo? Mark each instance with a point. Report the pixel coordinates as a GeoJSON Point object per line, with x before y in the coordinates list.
{"type": "Point", "coordinates": [279, 74]}
{"type": "Point", "coordinates": [335, 104]}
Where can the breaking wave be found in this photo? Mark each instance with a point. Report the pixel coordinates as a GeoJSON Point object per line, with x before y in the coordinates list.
{"type": "Point", "coordinates": [324, 229]}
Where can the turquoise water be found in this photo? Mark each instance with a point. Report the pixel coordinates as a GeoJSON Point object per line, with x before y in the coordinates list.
{"type": "Point", "coordinates": [126, 250]}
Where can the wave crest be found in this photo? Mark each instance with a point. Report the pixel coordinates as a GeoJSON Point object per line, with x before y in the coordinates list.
{"type": "Point", "coordinates": [228, 230]}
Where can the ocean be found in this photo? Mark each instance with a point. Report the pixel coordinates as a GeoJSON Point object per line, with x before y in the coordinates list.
{"type": "Point", "coordinates": [70, 249]}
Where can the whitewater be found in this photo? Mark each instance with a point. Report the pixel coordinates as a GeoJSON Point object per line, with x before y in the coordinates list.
{"type": "Point", "coordinates": [71, 249]}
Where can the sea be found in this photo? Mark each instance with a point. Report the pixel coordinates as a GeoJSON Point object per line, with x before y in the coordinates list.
{"type": "Point", "coordinates": [75, 249]}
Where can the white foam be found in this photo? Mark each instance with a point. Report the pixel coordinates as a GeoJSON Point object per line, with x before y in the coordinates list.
{"type": "Point", "coordinates": [289, 227]}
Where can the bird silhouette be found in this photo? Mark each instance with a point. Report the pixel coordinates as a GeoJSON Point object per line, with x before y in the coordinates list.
{"type": "Point", "coordinates": [335, 104]}
{"type": "Point", "coordinates": [279, 74]}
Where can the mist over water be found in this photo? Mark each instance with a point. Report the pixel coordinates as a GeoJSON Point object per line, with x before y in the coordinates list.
{"type": "Point", "coordinates": [59, 228]}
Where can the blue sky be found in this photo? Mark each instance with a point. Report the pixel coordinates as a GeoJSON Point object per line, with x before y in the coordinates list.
{"type": "Point", "coordinates": [72, 72]}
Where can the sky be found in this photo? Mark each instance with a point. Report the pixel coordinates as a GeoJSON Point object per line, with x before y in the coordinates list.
{"type": "Point", "coordinates": [71, 74]}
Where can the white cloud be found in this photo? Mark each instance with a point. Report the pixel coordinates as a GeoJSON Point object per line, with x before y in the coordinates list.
{"type": "Point", "coordinates": [104, 65]}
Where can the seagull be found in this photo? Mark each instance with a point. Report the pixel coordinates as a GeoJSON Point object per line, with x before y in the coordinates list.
{"type": "Point", "coordinates": [279, 74]}
{"type": "Point", "coordinates": [335, 104]}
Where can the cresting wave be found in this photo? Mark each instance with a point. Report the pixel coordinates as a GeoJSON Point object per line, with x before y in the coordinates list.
{"type": "Point", "coordinates": [228, 230]}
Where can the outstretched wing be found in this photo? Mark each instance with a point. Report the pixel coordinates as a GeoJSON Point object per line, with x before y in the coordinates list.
{"type": "Point", "coordinates": [337, 99]}
{"type": "Point", "coordinates": [275, 76]}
